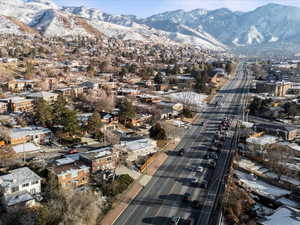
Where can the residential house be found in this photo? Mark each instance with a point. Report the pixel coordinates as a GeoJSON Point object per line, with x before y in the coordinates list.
{"type": "Point", "coordinates": [74, 91]}
{"type": "Point", "coordinates": [70, 173]}
{"type": "Point", "coordinates": [128, 92]}
{"type": "Point", "coordinates": [100, 159]}
{"type": "Point", "coordinates": [89, 85]}
{"type": "Point", "coordinates": [43, 95]}
{"type": "Point", "coordinates": [34, 134]}
{"type": "Point", "coordinates": [3, 107]}
{"type": "Point", "coordinates": [18, 104]}
{"type": "Point", "coordinates": [137, 148]}
{"type": "Point", "coordinates": [20, 85]}
{"type": "Point", "coordinates": [20, 186]}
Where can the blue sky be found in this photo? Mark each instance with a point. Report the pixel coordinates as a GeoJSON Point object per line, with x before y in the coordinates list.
{"type": "Point", "coordinates": [145, 8]}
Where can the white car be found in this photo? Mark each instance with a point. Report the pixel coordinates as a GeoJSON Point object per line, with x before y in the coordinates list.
{"type": "Point", "coordinates": [194, 180]}
{"type": "Point", "coordinates": [200, 169]}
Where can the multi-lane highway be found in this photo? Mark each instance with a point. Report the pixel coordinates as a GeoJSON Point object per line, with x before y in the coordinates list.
{"type": "Point", "coordinates": [162, 197]}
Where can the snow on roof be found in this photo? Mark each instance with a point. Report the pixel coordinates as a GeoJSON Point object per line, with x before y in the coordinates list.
{"type": "Point", "coordinates": [262, 140]}
{"type": "Point", "coordinates": [261, 187]}
{"type": "Point", "coordinates": [247, 124]}
{"type": "Point", "coordinates": [64, 161]}
{"type": "Point", "coordinates": [284, 215]}
{"type": "Point", "coordinates": [188, 97]}
{"type": "Point", "coordinates": [98, 153]}
{"type": "Point", "coordinates": [138, 144]}
{"type": "Point", "coordinates": [293, 146]}
{"type": "Point", "coordinates": [28, 131]}
{"type": "Point", "coordinates": [18, 177]}
{"type": "Point", "coordinates": [26, 147]}
{"type": "Point", "coordinates": [42, 94]}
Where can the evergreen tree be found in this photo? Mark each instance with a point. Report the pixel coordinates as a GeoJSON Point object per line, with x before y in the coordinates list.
{"type": "Point", "coordinates": [94, 123]}
{"type": "Point", "coordinates": [157, 132]}
{"type": "Point", "coordinates": [43, 113]}
{"type": "Point", "coordinates": [127, 111]}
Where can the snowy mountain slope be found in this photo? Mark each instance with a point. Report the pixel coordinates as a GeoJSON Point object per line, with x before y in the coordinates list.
{"type": "Point", "coordinates": [56, 23]}
{"type": "Point", "coordinates": [51, 20]}
{"type": "Point", "coordinates": [9, 25]}
{"type": "Point", "coordinates": [268, 24]}
{"type": "Point", "coordinates": [130, 27]}
{"type": "Point", "coordinates": [25, 10]}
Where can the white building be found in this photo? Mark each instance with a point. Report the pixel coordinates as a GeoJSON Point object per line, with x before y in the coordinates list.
{"type": "Point", "coordinates": [258, 144]}
{"type": "Point", "coordinates": [136, 148]}
{"type": "Point", "coordinates": [20, 187]}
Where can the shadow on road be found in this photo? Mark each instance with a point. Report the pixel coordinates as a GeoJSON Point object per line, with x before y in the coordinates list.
{"type": "Point", "coordinates": [159, 220]}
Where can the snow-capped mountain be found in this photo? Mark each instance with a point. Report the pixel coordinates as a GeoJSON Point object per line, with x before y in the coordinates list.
{"type": "Point", "coordinates": [50, 20]}
{"type": "Point", "coordinates": [270, 25]}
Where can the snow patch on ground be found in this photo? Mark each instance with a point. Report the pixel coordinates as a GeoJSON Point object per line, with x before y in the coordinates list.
{"type": "Point", "coordinates": [274, 39]}
{"type": "Point", "coordinates": [254, 36]}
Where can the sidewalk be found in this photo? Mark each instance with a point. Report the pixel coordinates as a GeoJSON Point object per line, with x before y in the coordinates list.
{"type": "Point", "coordinates": [121, 204]}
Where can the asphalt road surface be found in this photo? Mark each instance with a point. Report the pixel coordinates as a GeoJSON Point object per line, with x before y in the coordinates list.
{"type": "Point", "coordinates": [162, 197]}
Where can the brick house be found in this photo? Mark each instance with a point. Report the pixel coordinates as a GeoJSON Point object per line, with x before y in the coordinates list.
{"type": "Point", "coordinates": [70, 173]}
{"type": "Point", "coordinates": [100, 159]}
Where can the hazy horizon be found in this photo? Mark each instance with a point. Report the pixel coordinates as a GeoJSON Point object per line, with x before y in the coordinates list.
{"type": "Point", "coordinates": [150, 7]}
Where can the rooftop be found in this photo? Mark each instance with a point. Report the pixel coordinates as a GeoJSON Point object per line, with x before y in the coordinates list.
{"type": "Point", "coordinates": [262, 140]}
{"type": "Point", "coordinates": [72, 168]}
{"type": "Point", "coordinates": [138, 144]}
{"type": "Point", "coordinates": [98, 153]}
{"type": "Point", "coordinates": [18, 176]}
{"type": "Point", "coordinates": [27, 131]}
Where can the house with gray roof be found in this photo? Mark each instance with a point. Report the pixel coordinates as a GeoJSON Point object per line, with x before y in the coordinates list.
{"type": "Point", "coordinates": [19, 186]}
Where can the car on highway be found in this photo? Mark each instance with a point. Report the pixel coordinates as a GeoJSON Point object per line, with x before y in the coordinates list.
{"type": "Point", "coordinates": [200, 169]}
{"type": "Point", "coordinates": [175, 220]}
{"type": "Point", "coordinates": [213, 155]}
{"type": "Point", "coordinates": [194, 181]}
{"type": "Point", "coordinates": [181, 152]}
{"type": "Point", "coordinates": [204, 184]}
{"type": "Point", "coordinates": [186, 197]}
{"type": "Point", "coordinates": [196, 204]}
{"type": "Point", "coordinates": [212, 164]}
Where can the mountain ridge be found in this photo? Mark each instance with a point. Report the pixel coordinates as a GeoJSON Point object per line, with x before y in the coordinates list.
{"type": "Point", "coordinates": [269, 25]}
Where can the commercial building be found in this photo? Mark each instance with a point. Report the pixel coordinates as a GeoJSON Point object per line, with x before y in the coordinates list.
{"type": "Point", "coordinates": [278, 89]}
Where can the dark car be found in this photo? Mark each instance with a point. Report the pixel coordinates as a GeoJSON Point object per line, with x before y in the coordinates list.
{"type": "Point", "coordinates": [204, 184]}
{"type": "Point", "coordinates": [212, 164]}
{"type": "Point", "coordinates": [206, 156]}
{"type": "Point", "coordinates": [213, 156]}
{"type": "Point", "coordinates": [181, 152]}
{"type": "Point", "coordinates": [196, 204]}
{"type": "Point", "coordinates": [174, 220]}
{"type": "Point", "coordinates": [186, 197]}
